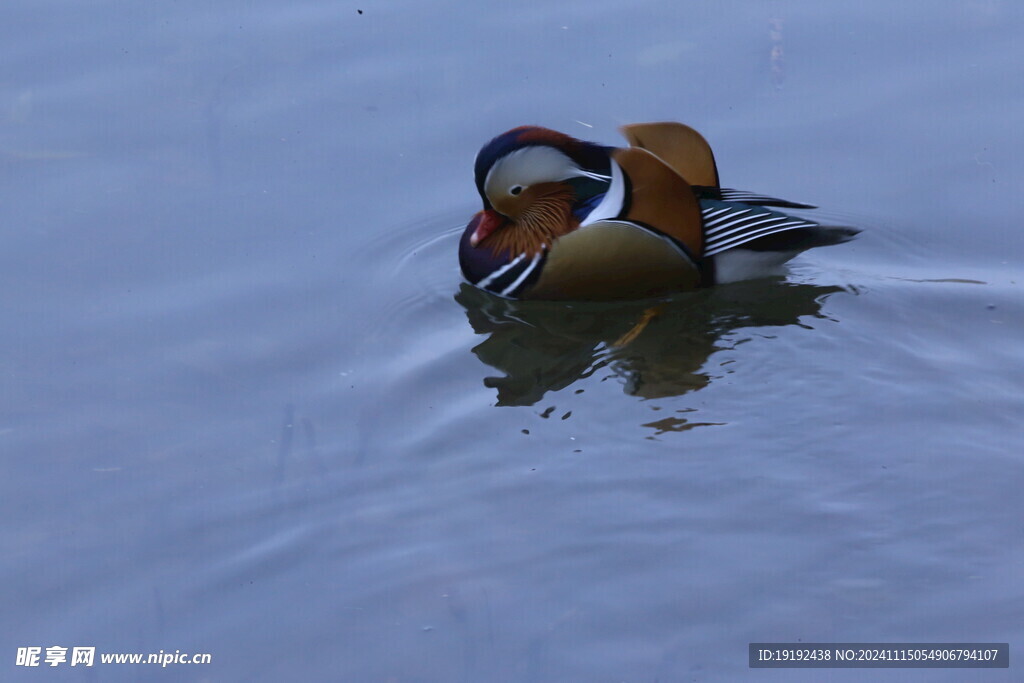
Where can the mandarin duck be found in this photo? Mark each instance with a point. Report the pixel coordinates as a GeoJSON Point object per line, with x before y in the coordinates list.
{"type": "Point", "coordinates": [574, 220]}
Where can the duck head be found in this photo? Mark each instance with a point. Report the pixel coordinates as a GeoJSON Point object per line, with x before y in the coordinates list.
{"type": "Point", "coordinates": [536, 185]}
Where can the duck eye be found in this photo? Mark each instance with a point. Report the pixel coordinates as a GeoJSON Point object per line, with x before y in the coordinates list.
{"type": "Point", "coordinates": [515, 190]}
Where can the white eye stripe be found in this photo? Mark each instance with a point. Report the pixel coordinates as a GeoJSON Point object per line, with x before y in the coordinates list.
{"type": "Point", "coordinates": [529, 166]}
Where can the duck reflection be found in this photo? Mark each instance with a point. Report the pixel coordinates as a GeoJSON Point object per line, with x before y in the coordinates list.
{"type": "Point", "coordinates": [658, 348]}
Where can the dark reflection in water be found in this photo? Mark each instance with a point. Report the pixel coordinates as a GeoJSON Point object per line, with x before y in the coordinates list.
{"type": "Point", "coordinates": [657, 347]}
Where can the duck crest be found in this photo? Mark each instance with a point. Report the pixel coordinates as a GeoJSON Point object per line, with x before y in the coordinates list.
{"type": "Point", "coordinates": [588, 155]}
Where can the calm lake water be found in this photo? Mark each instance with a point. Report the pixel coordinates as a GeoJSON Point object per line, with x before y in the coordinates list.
{"type": "Point", "coordinates": [249, 409]}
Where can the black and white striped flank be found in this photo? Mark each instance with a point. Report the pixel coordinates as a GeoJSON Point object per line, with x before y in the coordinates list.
{"type": "Point", "coordinates": [728, 225]}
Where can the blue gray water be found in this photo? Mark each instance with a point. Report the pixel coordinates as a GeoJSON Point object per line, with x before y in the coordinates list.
{"type": "Point", "coordinates": [248, 408]}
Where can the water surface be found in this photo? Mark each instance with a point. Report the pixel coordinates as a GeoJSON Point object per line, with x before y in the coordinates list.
{"type": "Point", "coordinates": [249, 409]}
